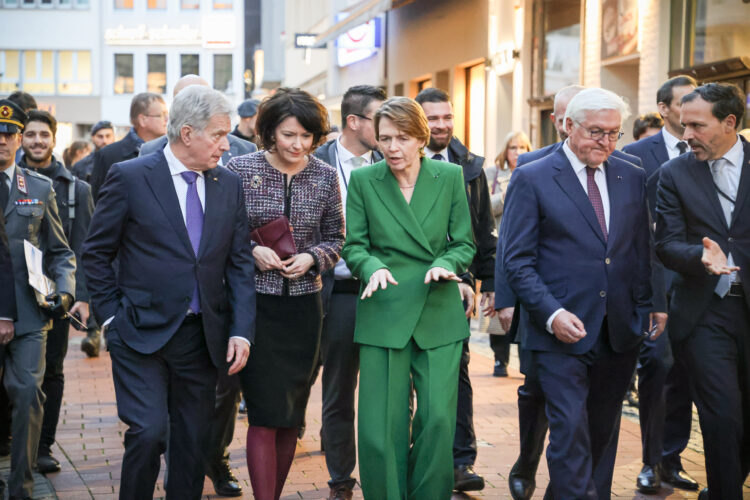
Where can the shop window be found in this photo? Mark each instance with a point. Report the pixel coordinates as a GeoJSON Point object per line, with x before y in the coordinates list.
{"type": "Point", "coordinates": [156, 76]}
{"type": "Point", "coordinates": [222, 4]}
{"type": "Point", "coordinates": [223, 72]}
{"type": "Point", "coordinates": [190, 4]}
{"type": "Point", "coordinates": [38, 72]}
{"type": "Point", "coordinates": [189, 64]}
{"type": "Point", "coordinates": [557, 26]}
{"type": "Point", "coordinates": [74, 72]}
{"type": "Point", "coordinates": [123, 4]}
{"type": "Point", "coordinates": [10, 3]}
{"type": "Point", "coordinates": [157, 4]}
{"type": "Point", "coordinates": [10, 72]}
{"type": "Point", "coordinates": [124, 83]}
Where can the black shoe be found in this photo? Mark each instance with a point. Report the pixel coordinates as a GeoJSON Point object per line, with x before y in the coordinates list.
{"type": "Point", "coordinates": [500, 370]}
{"type": "Point", "coordinates": [465, 479]}
{"type": "Point", "coordinates": [341, 492]}
{"type": "Point", "coordinates": [678, 478]}
{"type": "Point", "coordinates": [703, 495]}
{"type": "Point", "coordinates": [90, 345]}
{"type": "Point", "coordinates": [47, 463]}
{"type": "Point", "coordinates": [225, 484]}
{"type": "Point", "coordinates": [648, 481]}
{"type": "Point", "coordinates": [521, 488]}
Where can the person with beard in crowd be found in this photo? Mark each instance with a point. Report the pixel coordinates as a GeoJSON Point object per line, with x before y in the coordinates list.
{"type": "Point", "coordinates": [75, 206]}
{"type": "Point", "coordinates": [102, 134]}
{"type": "Point", "coordinates": [30, 215]}
{"type": "Point", "coordinates": [444, 146]}
{"type": "Point", "coordinates": [354, 148]}
{"type": "Point", "coordinates": [148, 117]}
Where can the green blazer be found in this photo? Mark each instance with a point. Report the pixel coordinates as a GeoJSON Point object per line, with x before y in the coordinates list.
{"type": "Point", "coordinates": [383, 231]}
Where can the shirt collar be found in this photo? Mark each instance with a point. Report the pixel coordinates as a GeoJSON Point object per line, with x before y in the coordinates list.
{"type": "Point", "coordinates": [8, 173]}
{"type": "Point", "coordinates": [430, 153]}
{"type": "Point", "coordinates": [734, 155]}
{"type": "Point", "coordinates": [176, 167]}
{"type": "Point", "coordinates": [344, 155]}
{"type": "Point", "coordinates": [670, 140]}
{"type": "Point", "coordinates": [577, 164]}
{"type": "Point", "coordinates": [135, 137]}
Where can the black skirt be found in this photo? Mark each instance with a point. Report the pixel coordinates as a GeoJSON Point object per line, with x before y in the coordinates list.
{"type": "Point", "coordinates": [276, 380]}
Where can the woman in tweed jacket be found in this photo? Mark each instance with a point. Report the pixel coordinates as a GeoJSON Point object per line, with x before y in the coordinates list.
{"type": "Point", "coordinates": [286, 179]}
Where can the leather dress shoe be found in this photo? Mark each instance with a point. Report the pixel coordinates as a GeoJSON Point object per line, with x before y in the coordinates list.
{"type": "Point", "coordinates": [465, 479]}
{"type": "Point", "coordinates": [90, 345]}
{"type": "Point", "coordinates": [678, 478]}
{"type": "Point", "coordinates": [521, 488]}
{"type": "Point", "coordinates": [500, 370]}
{"type": "Point", "coordinates": [47, 463]}
{"type": "Point", "coordinates": [648, 481]}
{"type": "Point", "coordinates": [703, 495]}
{"type": "Point", "coordinates": [341, 492]}
{"type": "Point", "coordinates": [225, 484]}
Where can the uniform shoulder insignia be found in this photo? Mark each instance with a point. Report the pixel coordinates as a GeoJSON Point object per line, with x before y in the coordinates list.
{"type": "Point", "coordinates": [36, 175]}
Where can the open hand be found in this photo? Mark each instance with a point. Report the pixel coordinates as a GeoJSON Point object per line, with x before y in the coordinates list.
{"type": "Point", "coordinates": [378, 279]}
{"type": "Point", "coordinates": [440, 274]}
{"type": "Point", "coordinates": [568, 328]}
{"type": "Point", "coordinates": [714, 259]}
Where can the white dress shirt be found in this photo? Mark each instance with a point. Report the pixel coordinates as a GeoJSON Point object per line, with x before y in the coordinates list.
{"type": "Point", "coordinates": [671, 142]}
{"type": "Point", "coordinates": [600, 179]}
{"type": "Point", "coordinates": [732, 169]}
{"type": "Point", "coordinates": [346, 162]}
{"type": "Point", "coordinates": [443, 152]}
{"type": "Point", "coordinates": [6, 176]}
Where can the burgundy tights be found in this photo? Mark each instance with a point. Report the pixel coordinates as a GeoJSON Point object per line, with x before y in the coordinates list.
{"type": "Point", "coordinates": [270, 451]}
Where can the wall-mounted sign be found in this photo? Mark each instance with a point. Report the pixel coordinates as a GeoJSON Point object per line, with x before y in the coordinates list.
{"type": "Point", "coordinates": [141, 35]}
{"type": "Point", "coordinates": [358, 43]}
{"type": "Point", "coordinates": [619, 27]}
{"type": "Point", "coordinates": [305, 40]}
{"type": "Point", "coordinates": [504, 59]}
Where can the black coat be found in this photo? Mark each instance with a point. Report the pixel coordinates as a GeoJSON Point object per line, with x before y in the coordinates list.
{"type": "Point", "coordinates": [482, 221]}
{"type": "Point", "coordinates": [7, 293]}
{"type": "Point", "coordinates": [124, 149]}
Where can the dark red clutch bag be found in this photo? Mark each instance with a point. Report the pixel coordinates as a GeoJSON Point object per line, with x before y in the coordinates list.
{"type": "Point", "coordinates": [276, 235]}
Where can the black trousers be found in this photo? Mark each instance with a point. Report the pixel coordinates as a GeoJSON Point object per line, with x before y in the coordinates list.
{"type": "Point", "coordinates": [173, 388]}
{"type": "Point", "coordinates": [717, 354]}
{"type": "Point", "coordinates": [222, 426]}
{"type": "Point", "coordinates": [500, 345]}
{"type": "Point", "coordinates": [340, 368]}
{"type": "Point", "coordinates": [532, 419]}
{"type": "Point", "coordinates": [465, 441]}
{"type": "Point", "coordinates": [54, 382]}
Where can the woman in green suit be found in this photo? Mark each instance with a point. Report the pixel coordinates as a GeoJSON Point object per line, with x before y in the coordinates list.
{"type": "Point", "coordinates": [408, 237]}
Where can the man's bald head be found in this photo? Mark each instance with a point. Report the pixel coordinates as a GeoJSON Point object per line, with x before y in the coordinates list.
{"type": "Point", "coordinates": [188, 80]}
{"type": "Point", "coordinates": [562, 98]}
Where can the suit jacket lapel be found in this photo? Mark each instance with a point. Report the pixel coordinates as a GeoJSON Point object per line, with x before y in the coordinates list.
{"type": "Point", "coordinates": [386, 187]}
{"type": "Point", "coordinates": [744, 186]}
{"type": "Point", "coordinates": [161, 184]}
{"type": "Point", "coordinates": [705, 182]}
{"type": "Point", "coordinates": [614, 179]}
{"type": "Point", "coordinates": [571, 186]}
{"type": "Point", "coordinates": [212, 215]}
{"type": "Point", "coordinates": [427, 191]}
{"type": "Point", "coordinates": [660, 150]}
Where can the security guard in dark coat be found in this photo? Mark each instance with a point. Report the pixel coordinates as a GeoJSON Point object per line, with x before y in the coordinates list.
{"type": "Point", "coordinates": [75, 206]}
{"type": "Point", "coordinates": [31, 215]}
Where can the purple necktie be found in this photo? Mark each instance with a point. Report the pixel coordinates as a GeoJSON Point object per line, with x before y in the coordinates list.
{"type": "Point", "coordinates": [194, 224]}
{"type": "Point", "coordinates": [596, 199]}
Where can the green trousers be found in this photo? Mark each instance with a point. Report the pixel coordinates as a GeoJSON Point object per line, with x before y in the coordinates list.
{"type": "Point", "coordinates": [394, 464]}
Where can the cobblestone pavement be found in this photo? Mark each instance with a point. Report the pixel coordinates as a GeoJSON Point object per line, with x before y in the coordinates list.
{"type": "Point", "coordinates": [89, 439]}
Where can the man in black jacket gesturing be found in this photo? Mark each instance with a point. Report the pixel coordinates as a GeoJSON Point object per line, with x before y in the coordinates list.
{"type": "Point", "coordinates": [443, 146]}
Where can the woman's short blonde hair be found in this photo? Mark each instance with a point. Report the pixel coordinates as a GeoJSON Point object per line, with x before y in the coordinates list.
{"type": "Point", "coordinates": [523, 140]}
{"type": "Point", "coordinates": [407, 115]}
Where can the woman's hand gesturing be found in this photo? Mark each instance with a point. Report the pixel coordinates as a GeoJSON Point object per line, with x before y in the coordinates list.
{"type": "Point", "coordinates": [379, 279]}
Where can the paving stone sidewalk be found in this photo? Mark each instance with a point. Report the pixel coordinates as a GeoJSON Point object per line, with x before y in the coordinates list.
{"type": "Point", "coordinates": [89, 439]}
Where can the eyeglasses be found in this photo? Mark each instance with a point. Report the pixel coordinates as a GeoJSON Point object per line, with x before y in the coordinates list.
{"type": "Point", "coordinates": [597, 133]}
{"type": "Point", "coordinates": [362, 116]}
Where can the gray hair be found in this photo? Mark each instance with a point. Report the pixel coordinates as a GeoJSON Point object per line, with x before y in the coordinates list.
{"type": "Point", "coordinates": [195, 106]}
{"type": "Point", "coordinates": [595, 99]}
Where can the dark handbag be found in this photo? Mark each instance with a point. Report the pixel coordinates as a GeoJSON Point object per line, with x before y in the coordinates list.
{"type": "Point", "coordinates": [276, 235]}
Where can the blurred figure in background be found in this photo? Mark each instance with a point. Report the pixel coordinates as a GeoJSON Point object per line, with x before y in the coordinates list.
{"type": "Point", "coordinates": [245, 129]}
{"type": "Point", "coordinates": [498, 177]}
{"type": "Point", "coordinates": [102, 134]}
{"type": "Point", "coordinates": [75, 153]}
{"type": "Point", "coordinates": [647, 125]}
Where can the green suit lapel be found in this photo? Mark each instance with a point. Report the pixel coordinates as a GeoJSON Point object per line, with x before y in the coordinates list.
{"type": "Point", "coordinates": [386, 187]}
{"type": "Point", "coordinates": [427, 191]}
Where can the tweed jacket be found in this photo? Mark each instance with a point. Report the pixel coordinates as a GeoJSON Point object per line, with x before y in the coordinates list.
{"type": "Point", "coordinates": [311, 200]}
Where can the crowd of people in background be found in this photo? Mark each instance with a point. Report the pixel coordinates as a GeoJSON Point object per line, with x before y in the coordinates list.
{"type": "Point", "coordinates": [239, 262]}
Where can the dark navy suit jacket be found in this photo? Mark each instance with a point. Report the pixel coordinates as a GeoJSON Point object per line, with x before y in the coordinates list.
{"type": "Point", "coordinates": [555, 255]}
{"type": "Point", "coordinates": [653, 154]}
{"type": "Point", "coordinates": [547, 150]}
{"type": "Point", "coordinates": [687, 209]}
{"type": "Point", "coordinates": [139, 221]}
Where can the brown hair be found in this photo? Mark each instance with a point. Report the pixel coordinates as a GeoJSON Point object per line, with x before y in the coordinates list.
{"type": "Point", "coordinates": [523, 139]}
{"type": "Point", "coordinates": [286, 102]}
{"type": "Point", "coordinates": [407, 116]}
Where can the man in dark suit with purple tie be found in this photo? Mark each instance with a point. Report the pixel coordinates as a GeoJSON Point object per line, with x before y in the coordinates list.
{"type": "Point", "coordinates": [703, 234]}
{"type": "Point", "coordinates": [182, 303]}
{"type": "Point", "coordinates": [577, 255]}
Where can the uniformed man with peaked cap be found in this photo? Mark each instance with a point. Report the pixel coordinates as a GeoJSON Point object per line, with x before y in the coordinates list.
{"type": "Point", "coordinates": [30, 209]}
